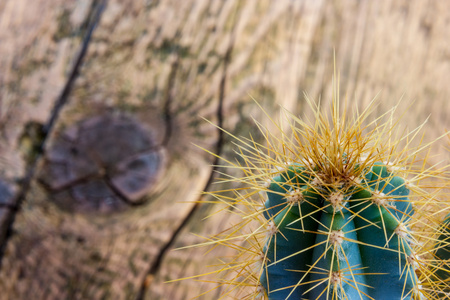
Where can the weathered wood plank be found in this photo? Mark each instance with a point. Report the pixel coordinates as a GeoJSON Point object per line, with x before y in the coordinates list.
{"type": "Point", "coordinates": [166, 64]}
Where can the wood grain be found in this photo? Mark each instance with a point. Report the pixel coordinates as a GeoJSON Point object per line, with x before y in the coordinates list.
{"type": "Point", "coordinates": [169, 64]}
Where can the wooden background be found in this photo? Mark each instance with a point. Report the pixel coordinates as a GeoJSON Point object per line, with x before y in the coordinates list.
{"type": "Point", "coordinates": [169, 64]}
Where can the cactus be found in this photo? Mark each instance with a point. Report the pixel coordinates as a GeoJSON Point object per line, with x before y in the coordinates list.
{"type": "Point", "coordinates": [339, 209]}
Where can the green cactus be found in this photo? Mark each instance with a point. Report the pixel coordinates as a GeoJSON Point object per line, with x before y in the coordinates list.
{"type": "Point", "coordinates": [341, 238]}
{"type": "Point", "coordinates": [339, 209]}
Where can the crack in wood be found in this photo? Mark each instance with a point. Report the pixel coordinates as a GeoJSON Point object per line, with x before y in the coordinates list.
{"type": "Point", "coordinates": [95, 16]}
{"type": "Point", "coordinates": [93, 19]}
{"type": "Point", "coordinates": [155, 266]}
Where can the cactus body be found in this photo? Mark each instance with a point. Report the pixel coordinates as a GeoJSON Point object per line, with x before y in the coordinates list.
{"type": "Point", "coordinates": [442, 255]}
{"type": "Point", "coordinates": [280, 246]}
{"type": "Point", "coordinates": [348, 240]}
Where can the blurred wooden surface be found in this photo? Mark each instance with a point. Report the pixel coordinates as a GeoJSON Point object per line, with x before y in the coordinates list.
{"type": "Point", "coordinates": [168, 64]}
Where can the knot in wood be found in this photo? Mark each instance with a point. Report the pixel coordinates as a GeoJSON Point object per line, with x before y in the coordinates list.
{"type": "Point", "coordinates": [104, 163]}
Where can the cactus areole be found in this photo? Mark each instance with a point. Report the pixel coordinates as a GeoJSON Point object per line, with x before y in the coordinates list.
{"type": "Point", "coordinates": [339, 237]}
